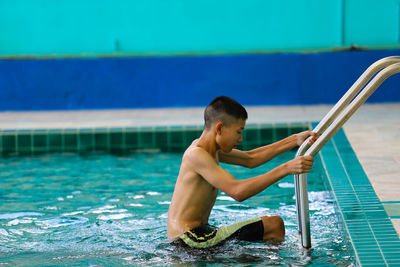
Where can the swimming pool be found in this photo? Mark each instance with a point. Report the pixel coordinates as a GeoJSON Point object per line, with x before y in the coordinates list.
{"type": "Point", "coordinates": [71, 209]}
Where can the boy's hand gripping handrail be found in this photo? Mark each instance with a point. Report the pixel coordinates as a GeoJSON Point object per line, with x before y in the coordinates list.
{"type": "Point", "coordinates": [331, 123]}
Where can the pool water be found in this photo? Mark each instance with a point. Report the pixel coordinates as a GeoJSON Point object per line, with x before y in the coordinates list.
{"type": "Point", "coordinates": [105, 210]}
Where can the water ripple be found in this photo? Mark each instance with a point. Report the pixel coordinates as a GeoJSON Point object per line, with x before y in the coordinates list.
{"type": "Point", "coordinates": [60, 222]}
{"type": "Point", "coordinates": [6, 216]}
{"type": "Point", "coordinates": [71, 214]}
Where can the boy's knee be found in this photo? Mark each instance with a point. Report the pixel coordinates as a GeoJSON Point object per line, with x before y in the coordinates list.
{"type": "Point", "coordinates": [279, 221]}
{"type": "Point", "coordinates": [274, 228]}
{"type": "Point", "coordinates": [275, 222]}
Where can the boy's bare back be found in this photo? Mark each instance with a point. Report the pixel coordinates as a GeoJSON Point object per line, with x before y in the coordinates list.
{"type": "Point", "coordinates": [193, 196]}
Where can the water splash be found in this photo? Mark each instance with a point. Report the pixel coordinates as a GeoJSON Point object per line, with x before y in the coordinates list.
{"type": "Point", "coordinates": [69, 215]}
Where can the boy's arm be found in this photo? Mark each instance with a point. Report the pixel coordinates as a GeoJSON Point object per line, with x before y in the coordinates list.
{"type": "Point", "coordinates": [261, 155]}
{"type": "Point", "coordinates": [203, 164]}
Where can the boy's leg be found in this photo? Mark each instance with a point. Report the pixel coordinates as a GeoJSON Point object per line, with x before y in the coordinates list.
{"type": "Point", "coordinates": [274, 228]}
{"type": "Point", "coordinates": [260, 228]}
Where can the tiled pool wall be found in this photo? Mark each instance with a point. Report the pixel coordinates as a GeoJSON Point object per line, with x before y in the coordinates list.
{"type": "Point", "coordinates": [364, 217]}
{"type": "Point", "coordinates": [371, 232]}
{"type": "Point", "coordinates": [127, 140]}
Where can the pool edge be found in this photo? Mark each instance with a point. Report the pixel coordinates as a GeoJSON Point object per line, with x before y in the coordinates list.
{"type": "Point", "coordinates": [372, 234]}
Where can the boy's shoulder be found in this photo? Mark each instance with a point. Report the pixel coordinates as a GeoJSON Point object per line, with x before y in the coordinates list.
{"type": "Point", "coordinates": [193, 150]}
{"type": "Point", "coordinates": [198, 158]}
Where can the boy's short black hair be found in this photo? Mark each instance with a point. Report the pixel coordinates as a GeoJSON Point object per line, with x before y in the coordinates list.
{"type": "Point", "coordinates": [223, 108]}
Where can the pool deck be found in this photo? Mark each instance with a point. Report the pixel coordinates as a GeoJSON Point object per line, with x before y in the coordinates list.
{"type": "Point", "coordinates": [374, 133]}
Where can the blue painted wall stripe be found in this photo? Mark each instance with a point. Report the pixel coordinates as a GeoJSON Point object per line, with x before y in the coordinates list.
{"type": "Point", "coordinates": [147, 82]}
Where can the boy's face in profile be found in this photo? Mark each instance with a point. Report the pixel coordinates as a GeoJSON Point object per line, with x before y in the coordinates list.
{"type": "Point", "coordinates": [230, 136]}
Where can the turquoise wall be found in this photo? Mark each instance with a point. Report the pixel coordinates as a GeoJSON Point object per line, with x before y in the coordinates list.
{"type": "Point", "coordinates": [76, 27]}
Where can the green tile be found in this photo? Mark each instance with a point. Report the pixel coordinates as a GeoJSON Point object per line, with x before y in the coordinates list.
{"type": "Point", "coordinates": [391, 262]}
{"type": "Point", "coordinates": [390, 248]}
{"type": "Point", "coordinates": [187, 140]}
{"type": "Point", "coordinates": [377, 226]}
{"type": "Point", "coordinates": [85, 142]}
{"type": "Point", "coordinates": [387, 238]}
{"type": "Point", "coordinates": [389, 242]}
{"type": "Point", "coordinates": [70, 142]}
{"type": "Point", "coordinates": [116, 140]}
{"type": "Point", "coordinates": [281, 132]}
{"type": "Point", "coordinates": [24, 144]}
{"type": "Point", "coordinates": [362, 235]}
{"type": "Point", "coordinates": [252, 136]}
{"type": "Point", "coordinates": [382, 232]}
{"type": "Point", "coordinates": [355, 232]}
{"type": "Point", "coordinates": [9, 143]}
{"type": "Point", "coordinates": [24, 140]}
{"type": "Point", "coordinates": [376, 214]}
{"type": "Point", "coordinates": [39, 141]}
{"type": "Point", "coordinates": [101, 142]}
{"type": "Point", "coordinates": [146, 139]}
{"type": "Point", "coordinates": [354, 216]}
{"type": "Point", "coordinates": [132, 139]}
{"type": "Point", "coordinates": [371, 255]}
{"type": "Point", "coordinates": [55, 142]}
{"type": "Point", "coordinates": [371, 260]}
{"type": "Point", "coordinates": [362, 246]}
{"type": "Point", "coordinates": [297, 129]}
{"type": "Point", "coordinates": [389, 231]}
{"type": "Point", "coordinates": [267, 136]}
{"type": "Point", "coordinates": [161, 140]}
{"type": "Point", "coordinates": [357, 225]}
{"type": "Point", "coordinates": [351, 207]}
{"type": "Point", "coordinates": [177, 138]}
{"type": "Point", "coordinates": [371, 207]}
{"type": "Point", "coordinates": [364, 240]}
{"type": "Point", "coordinates": [392, 256]}
{"type": "Point", "coordinates": [374, 263]}
{"type": "Point", "coordinates": [366, 252]}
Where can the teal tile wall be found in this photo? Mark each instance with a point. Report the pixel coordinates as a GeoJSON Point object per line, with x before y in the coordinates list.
{"type": "Point", "coordinates": [128, 140]}
{"type": "Point", "coordinates": [371, 232]}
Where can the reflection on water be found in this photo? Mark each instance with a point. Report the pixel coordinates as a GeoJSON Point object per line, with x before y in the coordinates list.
{"type": "Point", "coordinates": [109, 211]}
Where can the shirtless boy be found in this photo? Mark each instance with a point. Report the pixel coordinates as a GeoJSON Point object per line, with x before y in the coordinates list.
{"type": "Point", "coordinates": [200, 178]}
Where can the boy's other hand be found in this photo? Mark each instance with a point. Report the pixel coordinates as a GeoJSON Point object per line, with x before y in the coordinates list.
{"type": "Point", "coordinates": [301, 137]}
{"type": "Point", "coordinates": [299, 165]}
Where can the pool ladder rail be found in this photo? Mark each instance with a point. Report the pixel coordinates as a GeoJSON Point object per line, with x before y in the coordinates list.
{"type": "Point", "coordinates": [330, 124]}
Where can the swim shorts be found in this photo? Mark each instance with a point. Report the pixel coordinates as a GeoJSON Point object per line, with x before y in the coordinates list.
{"type": "Point", "coordinates": [206, 236]}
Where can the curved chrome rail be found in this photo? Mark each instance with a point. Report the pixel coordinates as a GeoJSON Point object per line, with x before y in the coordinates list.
{"type": "Point", "coordinates": [331, 123]}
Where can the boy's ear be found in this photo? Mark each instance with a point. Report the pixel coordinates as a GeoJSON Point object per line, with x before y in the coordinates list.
{"type": "Point", "coordinates": [218, 127]}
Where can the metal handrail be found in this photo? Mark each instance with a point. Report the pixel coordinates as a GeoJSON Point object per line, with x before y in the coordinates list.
{"type": "Point", "coordinates": [331, 123]}
{"type": "Point", "coordinates": [340, 105]}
